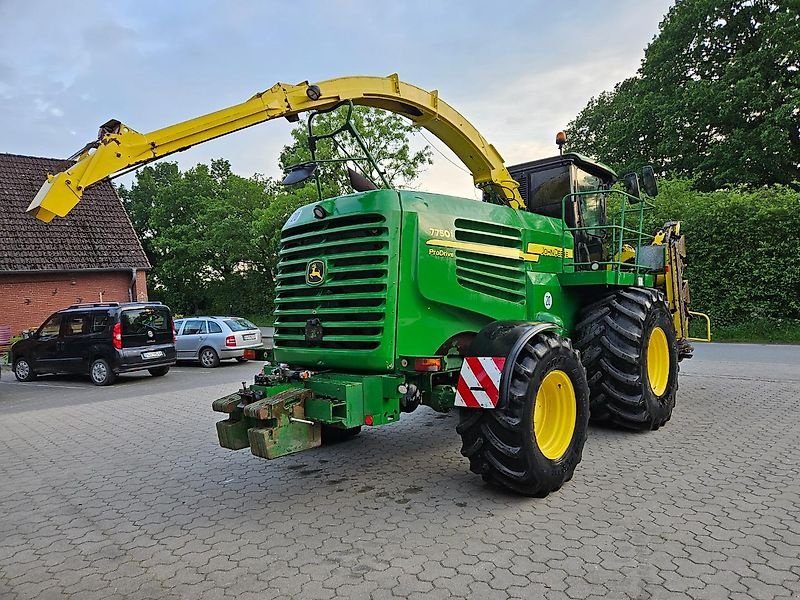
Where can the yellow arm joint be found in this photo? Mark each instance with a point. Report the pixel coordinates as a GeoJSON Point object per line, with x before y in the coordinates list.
{"type": "Point", "coordinates": [120, 147]}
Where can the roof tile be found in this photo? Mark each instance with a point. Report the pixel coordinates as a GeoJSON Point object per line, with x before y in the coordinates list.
{"type": "Point", "coordinates": [97, 234]}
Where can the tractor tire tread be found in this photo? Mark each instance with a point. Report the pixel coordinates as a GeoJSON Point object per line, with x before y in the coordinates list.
{"type": "Point", "coordinates": [612, 345]}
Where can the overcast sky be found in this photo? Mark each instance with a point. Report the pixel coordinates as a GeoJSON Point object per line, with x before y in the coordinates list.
{"type": "Point", "coordinates": [518, 70]}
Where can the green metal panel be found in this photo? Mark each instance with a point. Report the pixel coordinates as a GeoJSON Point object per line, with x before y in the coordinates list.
{"type": "Point", "coordinates": [464, 264]}
{"type": "Point", "coordinates": [357, 244]}
{"type": "Point", "coordinates": [606, 277]}
{"type": "Point", "coordinates": [405, 273]}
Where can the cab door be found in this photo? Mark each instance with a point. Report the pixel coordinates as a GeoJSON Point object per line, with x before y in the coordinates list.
{"type": "Point", "coordinates": [190, 338]}
{"type": "Point", "coordinates": [46, 350]}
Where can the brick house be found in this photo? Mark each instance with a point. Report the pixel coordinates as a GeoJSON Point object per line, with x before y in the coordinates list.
{"type": "Point", "coordinates": [91, 255]}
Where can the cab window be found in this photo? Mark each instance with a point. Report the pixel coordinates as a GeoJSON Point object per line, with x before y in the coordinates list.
{"type": "Point", "coordinates": [593, 206]}
{"type": "Point", "coordinates": [194, 327]}
{"type": "Point", "coordinates": [51, 327]}
{"type": "Point", "coordinates": [546, 190]}
{"type": "Point", "coordinates": [76, 325]}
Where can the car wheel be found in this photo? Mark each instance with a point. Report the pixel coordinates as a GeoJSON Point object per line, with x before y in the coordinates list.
{"type": "Point", "coordinates": [158, 371]}
{"type": "Point", "coordinates": [241, 359]}
{"type": "Point", "coordinates": [23, 370]}
{"type": "Point", "coordinates": [209, 358]}
{"type": "Point", "coordinates": [100, 372]}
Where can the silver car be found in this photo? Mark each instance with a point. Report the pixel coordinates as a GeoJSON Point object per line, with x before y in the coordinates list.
{"type": "Point", "coordinates": [211, 339]}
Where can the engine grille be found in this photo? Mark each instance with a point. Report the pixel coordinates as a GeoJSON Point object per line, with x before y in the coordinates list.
{"type": "Point", "coordinates": [496, 276]}
{"type": "Point", "coordinates": [351, 303]}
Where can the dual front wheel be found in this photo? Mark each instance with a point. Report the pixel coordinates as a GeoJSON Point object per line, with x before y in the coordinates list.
{"type": "Point", "coordinates": [624, 373]}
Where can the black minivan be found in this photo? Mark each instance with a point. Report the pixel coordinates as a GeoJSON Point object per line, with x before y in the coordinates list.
{"type": "Point", "coordinates": [101, 340]}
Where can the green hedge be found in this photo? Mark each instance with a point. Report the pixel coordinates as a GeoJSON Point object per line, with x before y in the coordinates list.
{"type": "Point", "coordinates": [743, 251]}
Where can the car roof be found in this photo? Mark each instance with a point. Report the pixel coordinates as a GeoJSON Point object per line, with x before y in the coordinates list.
{"type": "Point", "coordinates": [105, 306]}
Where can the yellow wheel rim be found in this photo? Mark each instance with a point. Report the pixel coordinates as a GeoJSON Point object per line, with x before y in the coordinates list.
{"type": "Point", "coordinates": [658, 361]}
{"type": "Point", "coordinates": [554, 414]}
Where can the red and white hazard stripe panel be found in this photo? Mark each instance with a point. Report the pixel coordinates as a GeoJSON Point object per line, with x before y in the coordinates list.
{"type": "Point", "coordinates": [479, 382]}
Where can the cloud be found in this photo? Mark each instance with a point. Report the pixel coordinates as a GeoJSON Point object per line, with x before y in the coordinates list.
{"type": "Point", "coordinates": [518, 71]}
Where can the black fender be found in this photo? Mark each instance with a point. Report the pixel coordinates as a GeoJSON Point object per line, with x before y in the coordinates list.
{"type": "Point", "coordinates": [506, 338]}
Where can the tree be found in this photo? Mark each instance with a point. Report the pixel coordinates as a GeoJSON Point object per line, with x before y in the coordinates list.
{"type": "Point", "coordinates": [717, 98]}
{"type": "Point", "coordinates": [196, 229]}
{"type": "Point", "coordinates": [386, 136]}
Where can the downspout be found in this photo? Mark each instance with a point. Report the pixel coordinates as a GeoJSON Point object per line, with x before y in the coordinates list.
{"type": "Point", "coordinates": [133, 283]}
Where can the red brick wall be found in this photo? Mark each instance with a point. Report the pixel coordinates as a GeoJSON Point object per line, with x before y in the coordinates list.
{"type": "Point", "coordinates": [26, 300]}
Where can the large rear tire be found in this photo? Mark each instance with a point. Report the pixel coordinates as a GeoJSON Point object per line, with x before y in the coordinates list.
{"type": "Point", "coordinates": [628, 346]}
{"type": "Point", "coordinates": [533, 441]}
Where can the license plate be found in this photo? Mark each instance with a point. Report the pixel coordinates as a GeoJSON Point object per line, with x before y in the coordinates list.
{"type": "Point", "coordinates": [249, 336]}
{"type": "Point", "coordinates": [151, 355]}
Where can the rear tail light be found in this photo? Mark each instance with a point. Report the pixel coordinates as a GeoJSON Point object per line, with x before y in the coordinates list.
{"type": "Point", "coordinates": [427, 364]}
{"type": "Point", "coordinates": [230, 341]}
{"type": "Point", "coordinates": [116, 335]}
{"type": "Point", "coordinates": [174, 334]}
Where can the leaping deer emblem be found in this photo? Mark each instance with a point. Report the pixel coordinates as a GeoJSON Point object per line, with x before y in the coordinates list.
{"type": "Point", "coordinates": [315, 273]}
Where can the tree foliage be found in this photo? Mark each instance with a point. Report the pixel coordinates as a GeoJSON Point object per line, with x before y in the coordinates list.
{"type": "Point", "coordinates": [743, 265]}
{"type": "Point", "coordinates": [717, 98]}
{"type": "Point", "coordinates": [386, 136]}
{"type": "Point", "coordinates": [196, 228]}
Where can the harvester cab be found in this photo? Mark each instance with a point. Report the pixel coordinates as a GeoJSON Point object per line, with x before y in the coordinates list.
{"type": "Point", "coordinates": [573, 188]}
{"type": "Point", "coordinates": [526, 312]}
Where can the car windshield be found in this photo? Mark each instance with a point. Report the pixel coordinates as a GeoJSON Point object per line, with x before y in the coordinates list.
{"type": "Point", "coordinates": [139, 320]}
{"type": "Point", "coordinates": [238, 324]}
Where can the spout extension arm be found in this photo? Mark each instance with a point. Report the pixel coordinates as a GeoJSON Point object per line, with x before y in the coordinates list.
{"type": "Point", "coordinates": [120, 148]}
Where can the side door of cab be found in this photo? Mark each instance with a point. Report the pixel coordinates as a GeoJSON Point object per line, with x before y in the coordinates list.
{"type": "Point", "coordinates": [47, 345]}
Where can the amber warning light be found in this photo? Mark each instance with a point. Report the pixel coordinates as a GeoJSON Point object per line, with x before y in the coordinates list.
{"type": "Point", "coordinates": [427, 364]}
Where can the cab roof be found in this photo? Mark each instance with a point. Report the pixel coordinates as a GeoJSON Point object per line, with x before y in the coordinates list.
{"type": "Point", "coordinates": [592, 167]}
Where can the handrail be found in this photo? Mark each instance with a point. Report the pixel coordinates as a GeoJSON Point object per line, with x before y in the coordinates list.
{"type": "Point", "coordinates": [708, 327]}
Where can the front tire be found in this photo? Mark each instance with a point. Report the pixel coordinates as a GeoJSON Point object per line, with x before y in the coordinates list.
{"type": "Point", "coordinates": [100, 372]}
{"type": "Point", "coordinates": [209, 358]}
{"type": "Point", "coordinates": [23, 370]}
{"type": "Point", "coordinates": [532, 442]}
{"type": "Point", "coordinates": [629, 348]}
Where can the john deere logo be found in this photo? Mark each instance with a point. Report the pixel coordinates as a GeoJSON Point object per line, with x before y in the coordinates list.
{"type": "Point", "coordinates": [315, 272]}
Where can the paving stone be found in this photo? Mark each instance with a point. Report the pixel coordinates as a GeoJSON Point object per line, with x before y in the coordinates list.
{"type": "Point", "coordinates": [707, 507]}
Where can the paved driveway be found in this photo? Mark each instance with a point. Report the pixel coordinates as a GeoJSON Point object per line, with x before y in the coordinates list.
{"type": "Point", "coordinates": [123, 492]}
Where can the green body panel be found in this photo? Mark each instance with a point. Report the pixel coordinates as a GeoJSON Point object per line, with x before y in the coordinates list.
{"type": "Point", "coordinates": [337, 399]}
{"type": "Point", "coordinates": [358, 243]}
{"type": "Point", "coordinates": [435, 268]}
{"type": "Point", "coordinates": [606, 277]}
{"type": "Point", "coordinates": [345, 400]}
{"type": "Point", "coordinates": [389, 276]}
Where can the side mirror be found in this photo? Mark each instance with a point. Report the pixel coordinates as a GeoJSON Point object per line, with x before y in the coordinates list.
{"type": "Point", "coordinates": [649, 181]}
{"type": "Point", "coordinates": [299, 173]}
{"type": "Point", "coordinates": [359, 182]}
{"type": "Point", "coordinates": [28, 334]}
{"type": "Point", "coordinates": [631, 183]}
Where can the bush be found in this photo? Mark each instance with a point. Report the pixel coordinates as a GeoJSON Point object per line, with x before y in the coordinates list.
{"type": "Point", "coordinates": [743, 261]}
